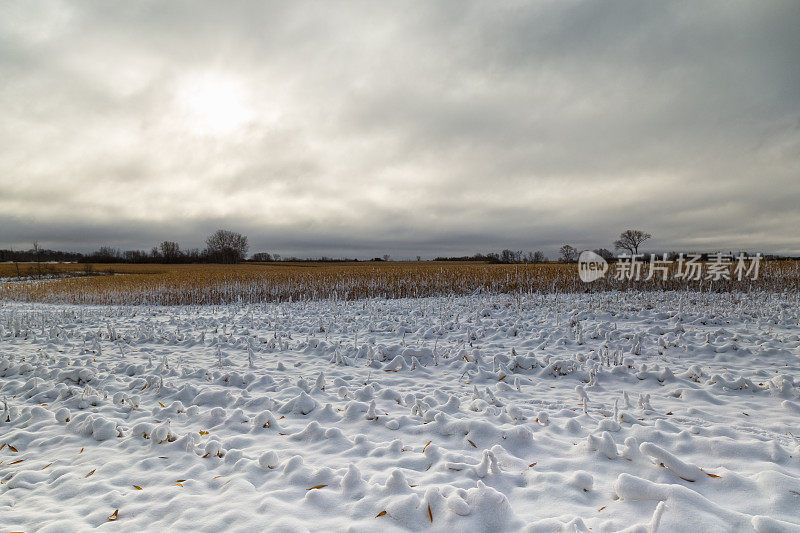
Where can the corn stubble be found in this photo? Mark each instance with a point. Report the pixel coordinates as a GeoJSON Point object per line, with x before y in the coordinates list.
{"type": "Point", "coordinates": [280, 282]}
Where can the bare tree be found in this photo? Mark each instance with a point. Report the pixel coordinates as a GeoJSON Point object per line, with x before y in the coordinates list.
{"type": "Point", "coordinates": [170, 251]}
{"type": "Point", "coordinates": [630, 240]}
{"type": "Point", "coordinates": [135, 256]}
{"type": "Point", "coordinates": [106, 254]}
{"type": "Point", "coordinates": [193, 255]}
{"type": "Point", "coordinates": [568, 253]}
{"type": "Point", "coordinates": [604, 253]}
{"type": "Point", "coordinates": [262, 257]}
{"type": "Point", "coordinates": [227, 246]}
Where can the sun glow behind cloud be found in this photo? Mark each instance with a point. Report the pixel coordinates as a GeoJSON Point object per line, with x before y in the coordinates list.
{"type": "Point", "coordinates": [213, 104]}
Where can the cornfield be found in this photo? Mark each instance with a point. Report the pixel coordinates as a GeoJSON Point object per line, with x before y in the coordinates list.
{"type": "Point", "coordinates": [129, 284]}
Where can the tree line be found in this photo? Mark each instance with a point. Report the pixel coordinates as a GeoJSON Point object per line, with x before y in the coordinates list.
{"type": "Point", "coordinates": [629, 241]}
{"type": "Point", "coordinates": [222, 246]}
{"type": "Point", "coordinates": [505, 256]}
{"type": "Point", "coordinates": [225, 246]}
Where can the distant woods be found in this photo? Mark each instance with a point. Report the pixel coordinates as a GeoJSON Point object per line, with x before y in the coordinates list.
{"type": "Point", "coordinates": [222, 246]}
{"type": "Point", "coordinates": [229, 247]}
{"type": "Point", "coordinates": [506, 256]}
{"type": "Point", "coordinates": [33, 256]}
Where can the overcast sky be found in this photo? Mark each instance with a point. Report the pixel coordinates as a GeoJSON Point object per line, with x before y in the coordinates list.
{"type": "Point", "coordinates": [364, 128]}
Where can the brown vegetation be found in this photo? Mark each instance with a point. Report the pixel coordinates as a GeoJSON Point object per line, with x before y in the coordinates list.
{"type": "Point", "coordinates": [253, 282]}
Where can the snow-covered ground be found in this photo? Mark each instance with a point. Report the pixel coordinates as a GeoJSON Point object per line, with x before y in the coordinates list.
{"type": "Point", "coordinates": [539, 413]}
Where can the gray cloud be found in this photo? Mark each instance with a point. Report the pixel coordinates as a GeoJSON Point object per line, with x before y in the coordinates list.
{"type": "Point", "coordinates": [366, 128]}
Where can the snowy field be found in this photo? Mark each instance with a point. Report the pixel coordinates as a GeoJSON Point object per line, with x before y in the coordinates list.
{"type": "Point", "coordinates": [645, 411]}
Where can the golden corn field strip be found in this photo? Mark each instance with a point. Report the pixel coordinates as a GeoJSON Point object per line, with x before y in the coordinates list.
{"type": "Point", "coordinates": [258, 282]}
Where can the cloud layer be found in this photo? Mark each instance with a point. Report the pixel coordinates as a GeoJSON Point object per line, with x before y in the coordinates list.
{"type": "Point", "coordinates": [412, 128]}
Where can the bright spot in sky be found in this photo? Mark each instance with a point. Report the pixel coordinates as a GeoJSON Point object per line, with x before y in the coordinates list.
{"type": "Point", "coordinates": [213, 104]}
